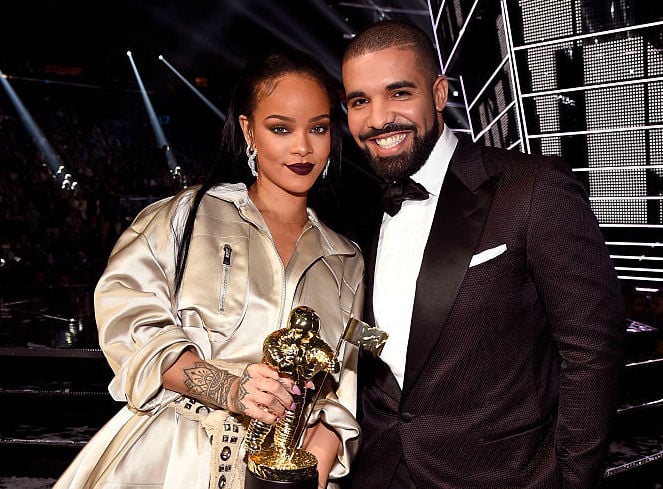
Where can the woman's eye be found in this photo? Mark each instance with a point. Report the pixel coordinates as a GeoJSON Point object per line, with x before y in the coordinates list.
{"type": "Point", "coordinates": [279, 129]}
{"type": "Point", "coordinates": [322, 129]}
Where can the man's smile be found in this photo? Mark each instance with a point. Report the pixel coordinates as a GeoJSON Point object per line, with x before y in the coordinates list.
{"type": "Point", "coordinates": [391, 141]}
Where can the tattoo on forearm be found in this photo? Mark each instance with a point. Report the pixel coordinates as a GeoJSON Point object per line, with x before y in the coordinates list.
{"type": "Point", "coordinates": [208, 383]}
{"type": "Point", "coordinates": [241, 392]}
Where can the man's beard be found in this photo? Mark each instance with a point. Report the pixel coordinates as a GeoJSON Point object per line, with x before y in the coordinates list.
{"type": "Point", "coordinates": [394, 168]}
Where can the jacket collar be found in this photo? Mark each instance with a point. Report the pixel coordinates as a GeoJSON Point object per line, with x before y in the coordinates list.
{"type": "Point", "coordinates": [330, 242]}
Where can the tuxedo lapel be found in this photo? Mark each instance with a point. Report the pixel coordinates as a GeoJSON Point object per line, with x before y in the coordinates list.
{"type": "Point", "coordinates": [371, 368]}
{"type": "Point", "coordinates": [370, 254]}
{"type": "Point", "coordinates": [455, 232]}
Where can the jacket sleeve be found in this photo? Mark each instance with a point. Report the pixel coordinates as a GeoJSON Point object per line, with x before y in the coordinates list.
{"type": "Point", "coordinates": [338, 408]}
{"type": "Point", "coordinates": [139, 331]}
{"type": "Point", "coordinates": [576, 279]}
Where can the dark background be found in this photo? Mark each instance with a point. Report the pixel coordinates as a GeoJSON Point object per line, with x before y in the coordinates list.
{"type": "Point", "coordinates": [74, 53]}
{"type": "Point", "coordinates": [67, 63]}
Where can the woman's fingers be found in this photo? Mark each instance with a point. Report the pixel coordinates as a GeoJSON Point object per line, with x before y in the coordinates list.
{"type": "Point", "coordinates": [261, 394]}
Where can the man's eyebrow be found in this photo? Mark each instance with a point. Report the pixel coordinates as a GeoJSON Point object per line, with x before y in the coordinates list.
{"type": "Point", "coordinates": [355, 94]}
{"type": "Point", "coordinates": [401, 84]}
{"type": "Point", "coordinates": [392, 86]}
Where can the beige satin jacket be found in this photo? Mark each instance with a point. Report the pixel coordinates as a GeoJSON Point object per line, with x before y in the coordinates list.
{"type": "Point", "coordinates": [235, 291]}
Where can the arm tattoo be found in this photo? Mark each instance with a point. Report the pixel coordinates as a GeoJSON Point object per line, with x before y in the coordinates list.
{"type": "Point", "coordinates": [241, 392]}
{"type": "Point", "coordinates": [208, 383]}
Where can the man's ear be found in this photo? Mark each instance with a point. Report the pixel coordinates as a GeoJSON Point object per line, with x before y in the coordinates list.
{"type": "Point", "coordinates": [246, 130]}
{"type": "Point", "coordinates": [440, 92]}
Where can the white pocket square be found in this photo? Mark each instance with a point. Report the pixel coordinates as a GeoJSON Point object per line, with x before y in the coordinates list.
{"type": "Point", "coordinates": [488, 254]}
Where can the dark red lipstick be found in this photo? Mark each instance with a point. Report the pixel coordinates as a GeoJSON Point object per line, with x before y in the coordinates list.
{"type": "Point", "coordinates": [301, 168]}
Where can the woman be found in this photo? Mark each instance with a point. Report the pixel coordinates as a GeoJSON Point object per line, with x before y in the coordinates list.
{"type": "Point", "coordinates": [197, 282]}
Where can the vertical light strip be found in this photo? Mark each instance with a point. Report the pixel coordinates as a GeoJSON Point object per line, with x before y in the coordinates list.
{"type": "Point", "coordinates": [467, 108]}
{"type": "Point", "coordinates": [488, 127]}
{"type": "Point", "coordinates": [436, 23]}
{"type": "Point", "coordinates": [432, 20]}
{"type": "Point", "coordinates": [515, 81]}
{"type": "Point", "coordinates": [490, 79]}
{"type": "Point", "coordinates": [460, 35]}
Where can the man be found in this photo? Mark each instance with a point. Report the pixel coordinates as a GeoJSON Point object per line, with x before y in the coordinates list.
{"type": "Point", "coordinates": [503, 308]}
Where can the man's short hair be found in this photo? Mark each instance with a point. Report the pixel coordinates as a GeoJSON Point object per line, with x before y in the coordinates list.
{"type": "Point", "coordinates": [393, 33]}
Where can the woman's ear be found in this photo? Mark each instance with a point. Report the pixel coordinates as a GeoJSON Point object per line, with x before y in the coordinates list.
{"type": "Point", "coordinates": [246, 130]}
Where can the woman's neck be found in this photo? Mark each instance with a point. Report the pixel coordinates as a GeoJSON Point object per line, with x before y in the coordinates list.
{"type": "Point", "coordinates": [279, 206]}
{"type": "Point", "coordinates": [284, 214]}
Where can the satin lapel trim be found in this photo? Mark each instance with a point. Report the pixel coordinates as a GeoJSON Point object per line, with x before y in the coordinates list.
{"type": "Point", "coordinates": [454, 235]}
{"type": "Point", "coordinates": [373, 371]}
{"type": "Point", "coordinates": [369, 258]}
{"type": "Point", "coordinates": [372, 368]}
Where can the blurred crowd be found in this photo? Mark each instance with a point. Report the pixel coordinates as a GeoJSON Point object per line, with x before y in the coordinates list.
{"type": "Point", "coordinates": [50, 236]}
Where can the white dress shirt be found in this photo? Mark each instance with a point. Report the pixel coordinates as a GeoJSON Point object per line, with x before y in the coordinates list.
{"type": "Point", "coordinates": [400, 250]}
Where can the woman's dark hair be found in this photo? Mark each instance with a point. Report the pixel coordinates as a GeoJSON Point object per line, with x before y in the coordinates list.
{"type": "Point", "coordinates": [257, 80]}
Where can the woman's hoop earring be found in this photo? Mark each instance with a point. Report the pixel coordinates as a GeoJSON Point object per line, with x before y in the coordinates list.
{"type": "Point", "coordinates": [325, 170]}
{"type": "Point", "coordinates": [251, 154]}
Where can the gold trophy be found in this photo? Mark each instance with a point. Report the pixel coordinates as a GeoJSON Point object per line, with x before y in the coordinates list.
{"type": "Point", "coordinates": [275, 459]}
{"type": "Point", "coordinates": [299, 352]}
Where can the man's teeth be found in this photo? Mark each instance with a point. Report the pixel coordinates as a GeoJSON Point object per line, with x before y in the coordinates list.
{"type": "Point", "coordinates": [390, 142]}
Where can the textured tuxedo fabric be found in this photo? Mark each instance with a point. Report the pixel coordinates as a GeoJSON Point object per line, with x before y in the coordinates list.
{"type": "Point", "coordinates": [513, 365]}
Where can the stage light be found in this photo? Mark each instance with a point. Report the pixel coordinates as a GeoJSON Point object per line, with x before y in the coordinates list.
{"type": "Point", "coordinates": [159, 135]}
{"type": "Point", "coordinates": [219, 113]}
{"type": "Point", "coordinates": [51, 158]}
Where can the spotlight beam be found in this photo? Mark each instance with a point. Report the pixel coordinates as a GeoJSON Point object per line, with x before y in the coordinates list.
{"type": "Point", "coordinates": [49, 154]}
{"type": "Point", "coordinates": [220, 114]}
{"type": "Point", "coordinates": [162, 143]}
{"type": "Point", "coordinates": [277, 22]}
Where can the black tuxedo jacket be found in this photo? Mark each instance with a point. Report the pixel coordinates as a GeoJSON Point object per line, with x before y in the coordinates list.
{"type": "Point", "coordinates": [513, 363]}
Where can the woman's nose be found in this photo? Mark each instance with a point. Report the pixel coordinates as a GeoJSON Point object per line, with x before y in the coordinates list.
{"type": "Point", "coordinates": [302, 145]}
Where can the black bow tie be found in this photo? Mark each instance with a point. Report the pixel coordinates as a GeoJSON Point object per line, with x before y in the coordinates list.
{"type": "Point", "coordinates": [394, 193]}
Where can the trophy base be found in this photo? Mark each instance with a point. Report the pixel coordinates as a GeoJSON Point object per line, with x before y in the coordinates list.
{"type": "Point", "coordinates": [252, 481]}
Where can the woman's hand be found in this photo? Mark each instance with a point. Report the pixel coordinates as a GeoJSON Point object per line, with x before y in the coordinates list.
{"type": "Point", "coordinates": [261, 393]}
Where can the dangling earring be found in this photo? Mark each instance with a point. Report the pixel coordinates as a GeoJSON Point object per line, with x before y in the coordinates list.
{"type": "Point", "coordinates": [252, 160]}
{"type": "Point", "coordinates": [325, 170]}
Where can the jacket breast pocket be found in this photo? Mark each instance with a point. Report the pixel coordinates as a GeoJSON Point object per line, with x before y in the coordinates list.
{"type": "Point", "coordinates": [492, 271]}
{"type": "Point", "coordinates": [216, 282]}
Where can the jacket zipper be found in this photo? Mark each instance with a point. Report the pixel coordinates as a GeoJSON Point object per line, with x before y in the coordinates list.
{"type": "Point", "coordinates": [227, 254]}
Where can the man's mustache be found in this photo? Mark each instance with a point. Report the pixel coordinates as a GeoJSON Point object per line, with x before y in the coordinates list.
{"type": "Point", "coordinates": [386, 129]}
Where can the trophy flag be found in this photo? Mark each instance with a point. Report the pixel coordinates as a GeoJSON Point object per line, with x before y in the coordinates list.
{"type": "Point", "coordinates": [364, 336]}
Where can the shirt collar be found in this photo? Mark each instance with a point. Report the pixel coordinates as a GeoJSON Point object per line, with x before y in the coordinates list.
{"type": "Point", "coordinates": [432, 173]}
